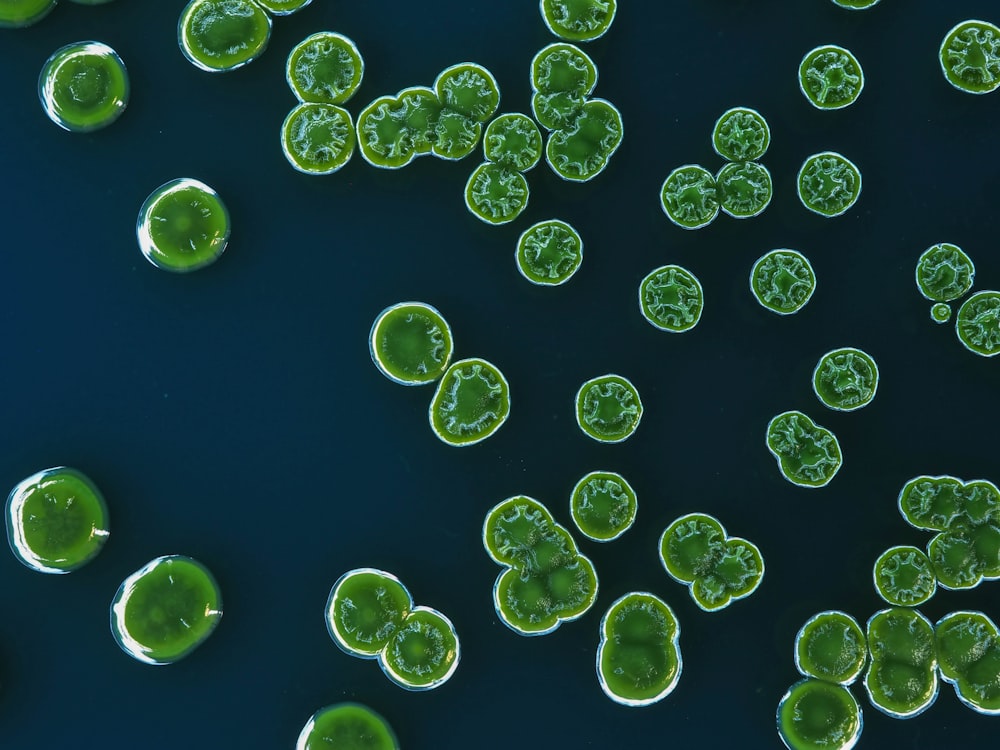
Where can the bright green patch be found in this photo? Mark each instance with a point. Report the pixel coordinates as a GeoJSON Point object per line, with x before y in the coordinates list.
{"type": "Point", "coordinates": [978, 323]}
{"type": "Point", "coordinates": [741, 134]}
{"type": "Point", "coordinates": [183, 225]}
{"type": "Point", "coordinates": [690, 197]}
{"type": "Point", "coordinates": [671, 299]}
{"type": "Point", "coordinates": [325, 67]}
{"type": "Point", "coordinates": [578, 20]}
{"type": "Point", "coordinates": [347, 726]}
{"type": "Point", "coordinates": [318, 139]}
{"type": "Point", "coordinates": [817, 714]}
{"type": "Point", "coordinates": [603, 505]}
{"type": "Point", "coordinates": [845, 379]}
{"type": "Point", "coordinates": [549, 253]}
{"type": "Point", "coordinates": [472, 401]}
{"type": "Point", "coordinates": [968, 650]}
{"type": "Point", "coordinates": [902, 679]}
{"type": "Point", "coordinates": [830, 77]}
{"type": "Point", "coordinates": [744, 189]}
{"type": "Point", "coordinates": [970, 57]}
{"type": "Point", "coordinates": [782, 281]}
{"type": "Point", "coordinates": [944, 272]}
{"type": "Point", "coordinates": [829, 184]}
{"type": "Point", "coordinates": [223, 35]}
{"type": "Point", "coordinates": [831, 646]}
{"type": "Point", "coordinates": [904, 576]}
{"type": "Point", "coordinates": [84, 86]}
{"type": "Point", "coordinates": [608, 408]}
{"type": "Point", "coordinates": [808, 455]}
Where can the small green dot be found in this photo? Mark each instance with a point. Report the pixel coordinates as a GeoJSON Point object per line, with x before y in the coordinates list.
{"type": "Point", "coordinates": [671, 299]}
{"type": "Point", "coordinates": [325, 67]}
{"type": "Point", "coordinates": [970, 57]}
{"type": "Point", "coordinates": [741, 134]}
{"type": "Point", "coordinates": [689, 197]}
{"type": "Point", "coordinates": [346, 726]}
{"type": "Point", "coordinates": [845, 379]}
{"type": "Point", "coordinates": [578, 20]}
{"type": "Point", "coordinates": [83, 86]}
{"type": "Point", "coordinates": [411, 343]}
{"type": "Point", "coordinates": [608, 408]}
{"type": "Point", "coordinates": [223, 35]}
{"type": "Point", "coordinates": [978, 323]}
{"type": "Point", "coordinates": [941, 312]}
{"type": "Point", "coordinates": [830, 77]}
{"type": "Point", "coordinates": [472, 401]}
{"type": "Point", "coordinates": [549, 253]}
{"type": "Point", "coordinates": [183, 225]}
{"type": "Point", "coordinates": [829, 183]}
{"type": "Point", "coordinates": [782, 281]}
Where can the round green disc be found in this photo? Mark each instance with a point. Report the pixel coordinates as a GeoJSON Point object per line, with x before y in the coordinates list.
{"type": "Point", "coordinates": [325, 67]}
{"type": "Point", "coordinates": [222, 35]}
{"type": "Point", "coordinates": [282, 7]}
{"type": "Point", "coordinates": [183, 226]}
{"type": "Point", "coordinates": [318, 138]}
{"type": "Point", "coordinates": [970, 57]}
{"type": "Point", "coordinates": [944, 272]}
{"type": "Point", "coordinates": [940, 312]}
{"type": "Point", "coordinates": [816, 714]}
{"type": "Point", "coordinates": [472, 401]}
{"type": "Point", "coordinates": [410, 343]}
{"type": "Point", "coordinates": [904, 576]}
{"type": "Point", "coordinates": [690, 197]}
{"type": "Point", "coordinates": [583, 149]}
{"type": "Point", "coordinates": [83, 86]}
{"type": "Point", "coordinates": [829, 183]}
{"type": "Point", "coordinates": [856, 4]}
{"type": "Point", "coordinates": [578, 20]}
{"type": "Point", "coordinates": [608, 408]}
{"type": "Point", "coordinates": [603, 505]}
{"type": "Point", "coordinates": [782, 281]}
{"type": "Point", "coordinates": [424, 651]}
{"type": "Point", "coordinates": [671, 299]}
{"type": "Point", "coordinates": [16, 14]}
{"type": "Point", "coordinates": [978, 323]}
{"type": "Point", "coordinates": [347, 726]}
{"type": "Point", "coordinates": [365, 607]}
{"type": "Point", "coordinates": [808, 455]}
{"type": "Point", "coordinates": [902, 678]}
{"type": "Point", "coordinates": [845, 379]}
{"type": "Point", "coordinates": [513, 141]}
{"type": "Point", "coordinates": [549, 253]}
{"type": "Point", "coordinates": [741, 134]}
{"type": "Point", "coordinates": [496, 194]}
{"type": "Point", "coordinates": [830, 77]}
{"type": "Point", "coordinates": [744, 189]}
{"type": "Point", "coordinates": [831, 646]}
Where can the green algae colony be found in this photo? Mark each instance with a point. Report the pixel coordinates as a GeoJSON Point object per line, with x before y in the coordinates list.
{"type": "Point", "coordinates": [818, 714]}
{"type": "Point", "coordinates": [829, 184]}
{"type": "Point", "coordinates": [318, 138]}
{"type": "Point", "coordinates": [904, 576]}
{"type": "Point", "coordinates": [830, 77]}
{"type": "Point", "coordinates": [578, 20]}
{"type": "Point", "coordinates": [845, 379]}
{"type": "Point", "coordinates": [741, 134]}
{"type": "Point", "coordinates": [968, 650]}
{"type": "Point", "coordinates": [671, 299]}
{"type": "Point", "coordinates": [472, 401]}
{"type": "Point", "coordinates": [944, 272]}
{"type": "Point", "coordinates": [782, 281]}
{"type": "Point", "coordinates": [83, 86]}
{"type": "Point", "coordinates": [977, 323]}
{"type": "Point", "coordinates": [223, 35]}
{"type": "Point", "coordinates": [346, 726]}
{"type": "Point", "coordinates": [603, 505]}
{"type": "Point", "coordinates": [325, 68]}
{"type": "Point", "coordinates": [902, 679]}
{"type": "Point", "coordinates": [690, 197]}
{"type": "Point", "coordinates": [411, 343]}
{"type": "Point", "coordinates": [183, 225]}
{"type": "Point", "coordinates": [970, 57]}
{"type": "Point", "coordinates": [608, 408]}
{"type": "Point", "coordinates": [808, 455]}
{"type": "Point", "coordinates": [549, 253]}
{"type": "Point", "coordinates": [831, 646]}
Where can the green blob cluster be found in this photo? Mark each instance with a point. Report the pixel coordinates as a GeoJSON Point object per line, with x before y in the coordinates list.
{"type": "Point", "coordinates": [966, 516]}
{"type": "Point", "coordinates": [830, 77]}
{"type": "Point", "coordinates": [902, 679]}
{"type": "Point", "coordinates": [549, 253]}
{"type": "Point", "coordinates": [904, 576]}
{"type": "Point", "coordinates": [83, 86]}
{"type": "Point", "coordinates": [445, 120]}
{"type": "Point", "coordinates": [671, 299]}
{"type": "Point", "coordinates": [578, 20]}
{"type": "Point", "coordinates": [584, 132]}
{"type": "Point", "coordinates": [970, 57]}
{"type": "Point", "coordinates": [497, 191]}
{"type": "Point", "coordinates": [968, 651]}
{"type": "Point", "coordinates": [608, 408]}
{"type": "Point", "coordinates": [831, 646]}
{"type": "Point", "coordinates": [347, 726]}
{"type": "Point", "coordinates": [639, 654]}
{"type": "Point", "coordinates": [845, 379]}
{"type": "Point", "coordinates": [808, 455]}
{"type": "Point", "coordinates": [829, 183]}
{"type": "Point", "coordinates": [370, 614]}
{"type": "Point", "coordinates": [718, 569]}
{"type": "Point", "coordinates": [603, 505]}
{"type": "Point", "coordinates": [782, 281]}
{"type": "Point", "coordinates": [546, 580]}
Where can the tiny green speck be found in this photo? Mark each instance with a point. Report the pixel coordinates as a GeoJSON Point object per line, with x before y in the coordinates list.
{"type": "Point", "coordinates": [496, 194]}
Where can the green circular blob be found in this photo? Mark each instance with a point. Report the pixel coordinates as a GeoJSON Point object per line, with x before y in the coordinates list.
{"type": "Point", "coordinates": [815, 714]}
{"type": "Point", "coordinates": [223, 35]}
{"type": "Point", "coordinates": [318, 138]}
{"type": "Point", "coordinates": [578, 20]}
{"type": "Point", "coordinates": [549, 253]}
{"type": "Point", "coordinates": [166, 609]}
{"type": "Point", "coordinates": [468, 89]}
{"type": "Point", "coordinates": [365, 608]}
{"type": "Point", "coordinates": [845, 379]}
{"type": "Point", "coordinates": [902, 678]}
{"type": "Point", "coordinates": [57, 520]}
{"type": "Point", "coordinates": [782, 281]}
{"type": "Point", "coordinates": [741, 134]}
{"type": "Point", "coordinates": [561, 68]}
{"type": "Point", "coordinates": [608, 408]}
{"type": "Point", "coordinates": [940, 312]}
{"type": "Point", "coordinates": [831, 646]}
{"type": "Point", "coordinates": [471, 402]}
{"type": "Point", "coordinates": [944, 273]}
{"type": "Point", "coordinates": [496, 194]}
{"type": "Point", "coordinates": [639, 655]}
{"type": "Point", "coordinates": [16, 14]}
{"type": "Point", "coordinates": [603, 505]}
{"type": "Point", "coordinates": [829, 183]}
{"type": "Point", "coordinates": [346, 726]}
{"type": "Point", "coordinates": [830, 77]}
{"type": "Point", "coordinates": [423, 652]}
{"type": "Point", "coordinates": [691, 546]}
{"type": "Point", "coordinates": [689, 197]}
{"type": "Point", "coordinates": [411, 343]}
{"type": "Point", "coordinates": [325, 67]}
{"type": "Point", "coordinates": [904, 576]}
{"type": "Point", "coordinates": [83, 86]}
{"type": "Point", "coordinates": [808, 455]}
{"type": "Point", "coordinates": [970, 57]}
{"type": "Point", "coordinates": [744, 189]}
{"type": "Point", "coordinates": [968, 650]}
{"type": "Point", "coordinates": [582, 150]}
{"type": "Point", "coordinates": [513, 141]}
{"type": "Point", "coordinates": [671, 299]}
{"type": "Point", "coordinates": [856, 4]}
{"type": "Point", "coordinates": [183, 225]}
{"type": "Point", "coordinates": [282, 7]}
{"type": "Point", "coordinates": [978, 323]}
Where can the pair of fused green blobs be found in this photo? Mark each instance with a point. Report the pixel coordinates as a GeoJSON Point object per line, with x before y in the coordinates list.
{"type": "Point", "coordinates": [57, 521]}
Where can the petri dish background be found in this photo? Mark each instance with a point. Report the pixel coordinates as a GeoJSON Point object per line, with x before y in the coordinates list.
{"type": "Point", "coordinates": [234, 414]}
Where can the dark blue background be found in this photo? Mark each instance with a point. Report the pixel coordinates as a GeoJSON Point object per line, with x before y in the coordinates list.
{"type": "Point", "coordinates": [234, 414]}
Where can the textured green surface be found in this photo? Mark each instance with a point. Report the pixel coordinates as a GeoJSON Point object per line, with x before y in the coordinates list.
{"type": "Point", "coordinates": [549, 252]}
{"type": "Point", "coordinates": [831, 646]}
{"type": "Point", "coordinates": [608, 408]}
{"type": "Point", "coordinates": [845, 379]}
{"type": "Point", "coordinates": [19, 13]}
{"type": "Point", "coordinates": [472, 401]}
{"type": "Point", "coordinates": [978, 323]}
{"type": "Point", "coordinates": [689, 197]}
{"type": "Point", "coordinates": [582, 150]}
{"type": "Point", "coordinates": [968, 649]}
{"type": "Point", "coordinates": [324, 67]}
{"type": "Point", "coordinates": [744, 189]}
{"type": "Point", "coordinates": [222, 35]}
{"type": "Point", "coordinates": [282, 7]}
{"type": "Point", "coordinates": [183, 226]}
{"type": "Point", "coordinates": [423, 652]}
{"type": "Point", "coordinates": [318, 138]}
{"type": "Point", "coordinates": [578, 20]}
{"type": "Point", "coordinates": [603, 505]}
{"type": "Point", "coordinates": [970, 56]}
{"type": "Point", "coordinates": [902, 679]}
{"type": "Point", "coordinates": [831, 77]}
{"type": "Point", "coordinates": [808, 455]}
{"type": "Point", "coordinates": [411, 343]}
{"type": "Point", "coordinates": [84, 86]}
{"type": "Point", "coordinates": [904, 576]}
{"type": "Point", "coordinates": [347, 726]}
{"type": "Point", "coordinates": [829, 184]}
{"type": "Point", "coordinates": [671, 299]}
{"type": "Point", "coordinates": [496, 194]}
{"type": "Point", "coordinates": [513, 141]}
{"type": "Point", "coordinates": [944, 272]}
{"type": "Point", "coordinates": [782, 281]}
{"type": "Point", "coordinates": [815, 715]}
{"type": "Point", "coordinates": [365, 608]}
{"type": "Point", "coordinates": [741, 134]}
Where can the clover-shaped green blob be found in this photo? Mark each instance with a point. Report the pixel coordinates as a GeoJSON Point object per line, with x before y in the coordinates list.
{"type": "Point", "coordinates": [830, 77]}
{"type": "Point", "coordinates": [845, 379]}
{"type": "Point", "coordinates": [608, 408]}
{"type": "Point", "coordinates": [411, 343]}
{"type": "Point", "coordinates": [831, 646]}
{"type": "Point", "coordinates": [513, 141]}
{"type": "Point", "coordinates": [578, 20]}
{"type": "Point", "coordinates": [829, 183]}
{"type": "Point", "coordinates": [468, 89]}
{"type": "Point", "coordinates": [639, 655]}
{"type": "Point", "coordinates": [808, 455]}
{"type": "Point", "coordinates": [222, 35]}
{"type": "Point", "coordinates": [582, 150]}
{"type": "Point", "coordinates": [603, 505]}
{"type": "Point", "coordinates": [546, 580]}
{"type": "Point", "coordinates": [744, 189]}
{"type": "Point", "coordinates": [782, 281]}
{"type": "Point", "coordinates": [365, 608]}
{"type": "Point", "coordinates": [325, 67]}
{"type": "Point", "coordinates": [347, 726]}
{"type": "Point", "coordinates": [671, 299]}
{"type": "Point", "coordinates": [940, 312]}
{"type": "Point", "coordinates": [818, 714]}
{"type": "Point", "coordinates": [970, 57]}
{"type": "Point", "coordinates": [964, 556]}
{"type": "Point", "coordinates": [549, 253]}
{"type": "Point", "coordinates": [902, 679]}
{"type": "Point", "coordinates": [741, 134]}
{"type": "Point", "coordinates": [423, 651]}
{"type": "Point", "coordinates": [978, 323]}
{"type": "Point", "coordinates": [904, 576]}
{"type": "Point", "coordinates": [496, 194]}
{"type": "Point", "coordinates": [968, 651]}
{"type": "Point", "coordinates": [472, 401]}
{"type": "Point", "coordinates": [944, 272]}
{"type": "Point", "coordinates": [15, 14]}
{"type": "Point", "coordinates": [690, 197]}
{"type": "Point", "coordinates": [318, 138]}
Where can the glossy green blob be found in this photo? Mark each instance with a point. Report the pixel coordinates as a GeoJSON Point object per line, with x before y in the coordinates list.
{"type": "Point", "coordinates": [689, 197]}
{"type": "Point", "coordinates": [562, 77]}
{"type": "Point", "coordinates": [282, 7]}
{"type": "Point", "coordinates": [782, 281]}
{"type": "Point", "coordinates": [831, 77]}
{"type": "Point", "coordinates": [15, 14]}
{"type": "Point", "coordinates": [223, 35]}
{"type": "Point", "coordinates": [549, 253]}
{"type": "Point", "coordinates": [57, 520]}
{"type": "Point", "coordinates": [581, 151]}
{"type": "Point", "coordinates": [546, 580]}
{"type": "Point", "coordinates": [968, 650]}
{"type": "Point", "coordinates": [496, 194]}
{"type": "Point", "coordinates": [639, 654]}
{"type": "Point", "coordinates": [472, 401]}
{"type": "Point", "coordinates": [904, 576]}
{"type": "Point", "coordinates": [831, 647]}
{"type": "Point", "coordinates": [392, 131]}
{"type": "Point", "coordinates": [513, 141]}
{"type": "Point", "coordinates": [470, 90]}
{"type": "Point", "coordinates": [411, 343]}
{"type": "Point", "coordinates": [603, 505]}
{"type": "Point", "coordinates": [845, 379]}
{"type": "Point", "coordinates": [346, 726]}
{"type": "Point", "coordinates": [856, 4]}
{"type": "Point", "coordinates": [608, 408]}
{"type": "Point", "coordinates": [808, 455]}
{"type": "Point", "coordinates": [819, 715]}
{"type": "Point", "coordinates": [166, 609]}
{"type": "Point", "coordinates": [671, 299]}
{"type": "Point", "coordinates": [423, 652]}
{"type": "Point", "coordinates": [965, 556]}
{"type": "Point", "coordinates": [578, 20]}
{"type": "Point", "coordinates": [902, 679]}
{"type": "Point", "coordinates": [933, 503]}
{"type": "Point", "coordinates": [741, 134]}
{"type": "Point", "coordinates": [744, 189]}
{"type": "Point", "coordinates": [970, 57]}
{"type": "Point", "coordinates": [944, 272]}
{"type": "Point", "coordinates": [365, 609]}
{"type": "Point", "coordinates": [829, 184]}
{"type": "Point", "coordinates": [83, 86]}
{"type": "Point", "coordinates": [325, 67]}
{"type": "Point", "coordinates": [318, 138]}
{"type": "Point", "coordinates": [182, 226]}
{"type": "Point", "coordinates": [978, 323]}
{"type": "Point", "coordinates": [940, 312]}
{"type": "Point", "coordinates": [455, 135]}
